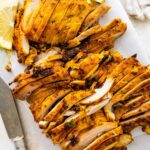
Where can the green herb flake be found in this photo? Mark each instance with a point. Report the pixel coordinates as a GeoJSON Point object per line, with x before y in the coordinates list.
{"type": "Point", "coordinates": [71, 123]}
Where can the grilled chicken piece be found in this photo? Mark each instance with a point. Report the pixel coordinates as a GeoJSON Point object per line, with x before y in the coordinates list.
{"type": "Point", "coordinates": [99, 93]}
{"type": "Point", "coordinates": [45, 12]}
{"type": "Point", "coordinates": [85, 34]}
{"type": "Point", "coordinates": [47, 104]}
{"type": "Point", "coordinates": [85, 123]}
{"type": "Point", "coordinates": [91, 134]}
{"type": "Point", "coordinates": [136, 70]}
{"type": "Point", "coordinates": [56, 19]}
{"type": "Point", "coordinates": [80, 69]}
{"type": "Point", "coordinates": [30, 59]}
{"type": "Point", "coordinates": [117, 73]}
{"type": "Point", "coordinates": [116, 143]}
{"type": "Point", "coordinates": [78, 20]}
{"type": "Point", "coordinates": [20, 42]}
{"type": "Point", "coordinates": [33, 16]}
{"type": "Point", "coordinates": [94, 17]}
{"type": "Point", "coordinates": [141, 109]}
{"type": "Point", "coordinates": [39, 95]}
{"type": "Point", "coordinates": [140, 85]}
{"type": "Point", "coordinates": [27, 90]}
{"type": "Point", "coordinates": [131, 104]}
{"type": "Point", "coordinates": [65, 104]}
{"type": "Point", "coordinates": [110, 134]}
{"type": "Point", "coordinates": [140, 120]}
{"type": "Point", "coordinates": [72, 20]}
{"type": "Point", "coordinates": [124, 92]}
{"type": "Point", "coordinates": [106, 36]}
{"type": "Point", "coordinates": [107, 69]}
{"type": "Point", "coordinates": [38, 73]}
{"type": "Point", "coordinates": [30, 6]}
{"type": "Point", "coordinates": [74, 119]}
{"type": "Point", "coordinates": [44, 62]}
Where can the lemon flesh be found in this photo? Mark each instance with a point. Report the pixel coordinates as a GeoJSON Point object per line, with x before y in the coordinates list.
{"type": "Point", "coordinates": [8, 10]}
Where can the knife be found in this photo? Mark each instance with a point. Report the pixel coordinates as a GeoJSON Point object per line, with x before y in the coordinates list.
{"type": "Point", "coordinates": [10, 116]}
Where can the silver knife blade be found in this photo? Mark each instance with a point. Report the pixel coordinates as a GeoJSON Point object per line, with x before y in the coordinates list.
{"type": "Point", "coordinates": [9, 112]}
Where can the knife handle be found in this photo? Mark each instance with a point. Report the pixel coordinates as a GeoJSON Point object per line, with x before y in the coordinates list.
{"type": "Point", "coordinates": [20, 144]}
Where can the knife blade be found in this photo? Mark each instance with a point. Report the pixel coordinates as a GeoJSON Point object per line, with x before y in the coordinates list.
{"type": "Point", "coordinates": [10, 116]}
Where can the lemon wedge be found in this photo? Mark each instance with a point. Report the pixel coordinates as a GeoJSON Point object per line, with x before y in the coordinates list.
{"type": "Point", "coordinates": [8, 10]}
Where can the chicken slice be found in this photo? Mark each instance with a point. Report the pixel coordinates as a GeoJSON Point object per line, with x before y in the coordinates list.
{"type": "Point", "coordinates": [81, 70]}
{"type": "Point", "coordinates": [65, 104]}
{"type": "Point", "coordinates": [26, 91]}
{"type": "Point", "coordinates": [85, 34]}
{"type": "Point", "coordinates": [140, 120]}
{"type": "Point", "coordinates": [106, 28]}
{"type": "Point", "coordinates": [141, 109]}
{"type": "Point", "coordinates": [37, 73]}
{"type": "Point", "coordinates": [21, 44]}
{"type": "Point", "coordinates": [67, 126]}
{"type": "Point", "coordinates": [140, 85]}
{"type": "Point", "coordinates": [119, 71]}
{"type": "Point", "coordinates": [41, 94]}
{"type": "Point", "coordinates": [107, 69]}
{"type": "Point", "coordinates": [53, 23]}
{"type": "Point", "coordinates": [131, 104]}
{"type": "Point", "coordinates": [116, 143]}
{"type": "Point", "coordinates": [94, 17]}
{"type": "Point", "coordinates": [42, 62]}
{"type": "Point", "coordinates": [69, 19]}
{"type": "Point", "coordinates": [30, 6]}
{"type": "Point", "coordinates": [85, 123]}
{"type": "Point", "coordinates": [40, 22]}
{"type": "Point", "coordinates": [78, 19]}
{"type": "Point", "coordinates": [99, 93]}
{"type": "Point", "coordinates": [48, 102]}
{"type": "Point", "coordinates": [91, 134]}
{"type": "Point", "coordinates": [119, 96]}
{"type": "Point", "coordinates": [34, 14]}
{"type": "Point", "coordinates": [108, 135]}
{"type": "Point", "coordinates": [30, 59]}
{"type": "Point", "coordinates": [137, 70]}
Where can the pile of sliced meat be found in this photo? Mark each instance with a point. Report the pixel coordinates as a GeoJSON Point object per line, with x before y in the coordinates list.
{"type": "Point", "coordinates": [88, 97]}
{"type": "Point", "coordinates": [84, 96]}
{"type": "Point", "coordinates": [53, 22]}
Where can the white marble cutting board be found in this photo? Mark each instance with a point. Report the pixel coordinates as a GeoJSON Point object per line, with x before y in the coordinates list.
{"type": "Point", "coordinates": [128, 44]}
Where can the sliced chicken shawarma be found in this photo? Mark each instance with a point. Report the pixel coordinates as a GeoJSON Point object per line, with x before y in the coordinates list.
{"type": "Point", "coordinates": [112, 133]}
{"type": "Point", "coordinates": [66, 103]}
{"type": "Point", "coordinates": [30, 6]}
{"type": "Point", "coordinates": [41, 20]}
{"type": "Point", "coordinates": [56, 19]}
{"type": "Point", "coordinates": [85, 123]}
{"type": "Point", "coordinates": [94, 17]}
{"type": "Point", "coordinates": [130, 105]}
{"type": "Point", "coordinates": [47, 104]}
{"type": "Point", "coordinates": [141, 109]}
{"type": "Point", "coordinates": [26, 91]}
{"type": "Point", "coordinates": [122, 93]}
{"type": "Point", "coordinates": [141, 120]}
{"type": "Point", "coordinates": [91, 134]}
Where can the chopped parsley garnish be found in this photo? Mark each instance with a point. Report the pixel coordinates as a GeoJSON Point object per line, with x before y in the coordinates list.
{"type": "Point", "coordinates": [71, 123]}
